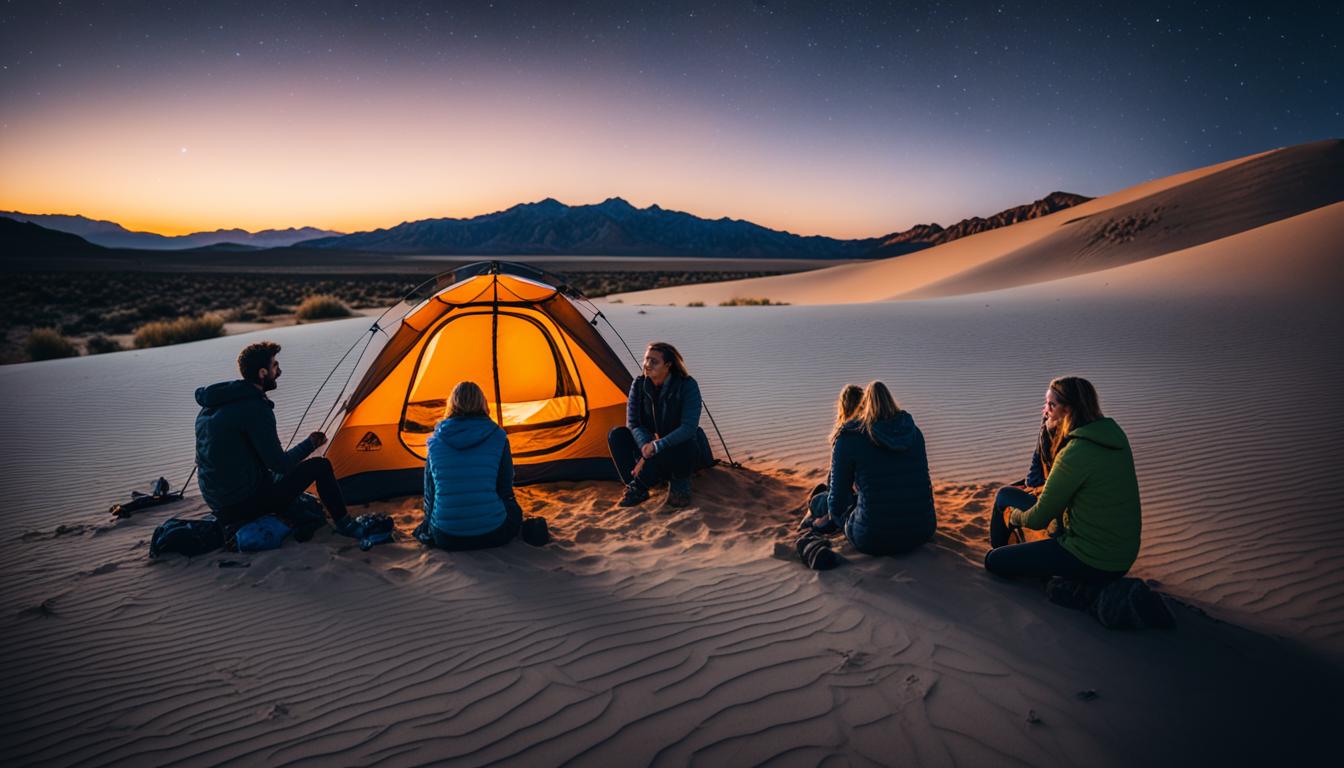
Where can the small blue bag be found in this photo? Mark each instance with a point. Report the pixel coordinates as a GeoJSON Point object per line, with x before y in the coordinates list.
{"type": "Point", "coordinates": [264, 533]}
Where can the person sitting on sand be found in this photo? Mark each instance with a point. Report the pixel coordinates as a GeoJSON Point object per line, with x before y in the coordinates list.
{"type": "Point", "coordinates": [1093, 478]}
{"type": "Point", "coordinates": [1022, 494]}
{"type": "Point", "coordinates": [660, 439]}
{"type": "Point", "coordinates": [846, 408]}
{"type": "Point", "coordinates": [469, 501]}
{"type": "Point", "coordinates": [880, 453]}
{"type": "Point", "coordinates": [241, 469]}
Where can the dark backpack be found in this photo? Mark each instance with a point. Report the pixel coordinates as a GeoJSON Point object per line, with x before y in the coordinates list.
{"type": "Point", "coordinates": [187, 537]}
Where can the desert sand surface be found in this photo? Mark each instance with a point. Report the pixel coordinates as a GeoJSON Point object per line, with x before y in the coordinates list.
{"type": "Point", "coordinates": [649, 636]}
{"type": "Point", "coordinates": [672, 637]}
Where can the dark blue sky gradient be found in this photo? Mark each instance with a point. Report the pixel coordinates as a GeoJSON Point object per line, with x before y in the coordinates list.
{"type": "Point", "coordinates": [1027, 97]}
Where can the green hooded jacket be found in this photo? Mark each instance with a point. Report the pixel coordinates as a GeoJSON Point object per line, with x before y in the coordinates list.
{"type": "Point", "coordinates": [1093, 478]}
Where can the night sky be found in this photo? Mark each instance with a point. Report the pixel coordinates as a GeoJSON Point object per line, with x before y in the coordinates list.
{"type": "Point", "coordinates": [845, 119]}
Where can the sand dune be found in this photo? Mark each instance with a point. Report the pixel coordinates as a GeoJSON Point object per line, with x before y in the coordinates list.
{"type": "Point", "coordinates": [1149, 220]}
{"type": "Point", "coordinates": [672, 637]}
{"type": "Point", "coordinates": [649, 636]}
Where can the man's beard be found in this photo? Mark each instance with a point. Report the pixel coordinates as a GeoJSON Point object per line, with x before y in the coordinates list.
{"type": "Point", "coordinates": [267, 384]}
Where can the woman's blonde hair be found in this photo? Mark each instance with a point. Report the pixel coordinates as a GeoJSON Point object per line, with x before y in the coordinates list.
{"type": "Point", "coordinates": [467, 400]}
{"type": "Point", "coordinates": [877, 405]}
{"type": "Point", "coordinates": [846, 407]}
{"type": "Point", "coordinates": [1084, 407]}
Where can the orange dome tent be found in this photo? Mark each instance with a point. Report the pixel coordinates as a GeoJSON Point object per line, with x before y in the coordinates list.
{"type": "Point", "coordinates": [554, 384]}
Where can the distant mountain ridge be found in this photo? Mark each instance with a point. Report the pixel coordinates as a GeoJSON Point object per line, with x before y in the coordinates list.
{"type": "Point", "coordinates": [936, 235]}
{"type": "Point", "coordinates": [613, 227]}
{"type": "Point", "coordinates": [112, 235]}
{"type": "Point", "coordinates": [617, 228]}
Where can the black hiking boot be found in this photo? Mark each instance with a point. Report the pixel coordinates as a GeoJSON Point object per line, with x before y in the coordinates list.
{"type": "Point", "coordinates": [678, 499]}
{"type": "Point", "coordinates": [634, 494]}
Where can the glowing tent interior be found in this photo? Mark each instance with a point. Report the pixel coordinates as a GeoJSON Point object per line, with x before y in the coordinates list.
{"type": "Point", "coordinates": [554, 383]}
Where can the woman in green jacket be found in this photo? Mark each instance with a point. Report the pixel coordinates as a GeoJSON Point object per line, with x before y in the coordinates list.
{"type": "Point", "coordinates": [1092, 483]}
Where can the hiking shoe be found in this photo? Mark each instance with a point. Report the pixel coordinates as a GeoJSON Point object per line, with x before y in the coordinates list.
{"type": "Point", "coordinates": [634, 494]}
{"type": "Point", "coordinates": [677, 499]}
{"type": "Point", "coordinates": [348, 526]}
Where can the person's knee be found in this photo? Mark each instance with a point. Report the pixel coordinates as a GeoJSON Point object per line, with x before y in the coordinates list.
{"type": "Point", "coordinates": [618, 433]}
{"type": "Point", "coordinates": [321, 464]}
{"type": "Point", "coordinates": [992, 563]}
{"type": "Point", "coordinates": [1003, 496]}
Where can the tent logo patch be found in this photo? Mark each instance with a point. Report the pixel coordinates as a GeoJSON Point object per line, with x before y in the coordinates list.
{"type": "Point", "coordinates": [369, 442]}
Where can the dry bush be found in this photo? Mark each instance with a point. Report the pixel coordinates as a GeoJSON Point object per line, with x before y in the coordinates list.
{"type": "Point", "coordinates": [695, 303]}
{"type": "Point", "coordinates": [321, 306]}
{"type": "Point", "coordinates": [100, 344]}
{"type": "Point", "coordinates": [48, 344]}
{"type": "Point", "coordinates": [163, 332]}
{"type": "Point", "coordinates": [748, 302]}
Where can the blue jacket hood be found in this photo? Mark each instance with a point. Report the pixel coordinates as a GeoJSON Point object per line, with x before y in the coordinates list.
{"type": "Point", "coordinates": [894, 434]}
{"type": "Point", "coordinates": [216, 395]}
{"type": "Point", "coordinates": [465, 433]}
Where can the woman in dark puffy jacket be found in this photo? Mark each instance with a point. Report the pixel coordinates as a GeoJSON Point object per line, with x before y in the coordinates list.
{"type": "Point", "coordinates": [846, 408]}
{"type": "Point", "coordinates": [880, 455]}
{"type": "Point", "coordinates": [469, 502]}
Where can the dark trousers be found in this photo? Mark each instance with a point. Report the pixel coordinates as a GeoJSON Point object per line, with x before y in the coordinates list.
{"type": "Point", "coordinates": [1042, 559]}
{"type": "Point", "coordinates": [674, 464]}
{"type": "Point", "coordinates": [274, 498]}
{"type": "Point", "coordinates": [506, 532]}
{"type": "Point", "coordinates": [1008, 496]}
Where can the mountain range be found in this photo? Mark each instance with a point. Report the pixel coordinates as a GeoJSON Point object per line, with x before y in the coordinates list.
{"type": "Point", "coordinates": [613, 227]}
{"type": "Point", "coordinates": [617, 228]}
{"type": "Point", "coordinates": [110, 234]}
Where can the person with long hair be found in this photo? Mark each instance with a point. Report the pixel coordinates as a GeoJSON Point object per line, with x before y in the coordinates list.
{"type": "Point", "coordinates": [846, 408]}
{"type": "Point", "coordinates": [1090, 484]}
{"type": "Point", "coordinates": [661, 439]}
{"type": "Point", "coordinates": [1022, 494]}
{"type": "Point", "coordinates": [880, 469]}
{"type": "Point", "coordinates": [469, 501]}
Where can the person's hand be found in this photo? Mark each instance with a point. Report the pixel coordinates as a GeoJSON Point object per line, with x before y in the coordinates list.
{"type": "Point", "coordinates": [317, 439]}
{"type": "Point", "coordinates": [1015, 516]}
{"type": "Point", "coordinates": [648, 450]}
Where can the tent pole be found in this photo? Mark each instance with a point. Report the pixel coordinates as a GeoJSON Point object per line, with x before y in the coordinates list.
{"type": "Point", "coordinates": [494, 346]}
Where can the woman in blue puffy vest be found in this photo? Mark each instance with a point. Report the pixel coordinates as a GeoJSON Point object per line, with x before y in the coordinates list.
{"type": "Point", "coordinates": [879, 457]}
{"type": "Point", "coordinates": [469, 501]}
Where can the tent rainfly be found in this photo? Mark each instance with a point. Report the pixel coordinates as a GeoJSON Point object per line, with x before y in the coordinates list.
{"type": "Point", "coordinates": [554, 384]}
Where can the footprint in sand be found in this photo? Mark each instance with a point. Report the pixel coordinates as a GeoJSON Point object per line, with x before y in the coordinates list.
{"type": "Point", "coordinates": [45, 608]}
{"type": "Point", "coordinates": [589, 535]}
{"type": "Point", "coordinates": [100, 570]}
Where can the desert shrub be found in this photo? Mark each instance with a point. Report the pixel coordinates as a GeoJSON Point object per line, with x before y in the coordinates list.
{"type": "Point", "coordinates": [695, 303]}
{"type": "Point", "coordinates": [162, 332]}
{"type": "Point", "coordinates": [321, 305]}
{"type": "Point", "coordinates": [237, 315]}
{"type": "Point", "coordinates": [748, 302]}
{"type": "Point", "coordinates": [48, 344]}
{"type": "Point", "coordinates": [263, 307]}
{"type": "Point", "coordinates": [100, 344]}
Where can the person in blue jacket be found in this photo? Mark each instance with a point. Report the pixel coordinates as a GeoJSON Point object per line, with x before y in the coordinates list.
{"type": "Point", "coordinates": [469, 501]}
{"type": "Point", "coordinates": [660, 440]}
{"type": "Point", "coordinates": [241, 469]}
{"type": "Point", "coordinates": [880, 457]}
{"type": "Point", "coordinates": [1023, 493]}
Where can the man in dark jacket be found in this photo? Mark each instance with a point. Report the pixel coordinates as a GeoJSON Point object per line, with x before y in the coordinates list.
{"type": "Point", "coordinates": [662, 434]}
{"type": "Point", "coordinates": [241, 469]}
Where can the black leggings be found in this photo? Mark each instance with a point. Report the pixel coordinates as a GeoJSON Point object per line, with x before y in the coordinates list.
{"type": "Point", "coordinates": [675, 463]}
{"type": "Point", "coordinates": [513, 522]}
{"type": "Point", "coordinates": [1043, 559]}
{"type": "Point", "coordinates": [274, 498]}
{"type": "Point", "coordinates": [1008, 496]}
